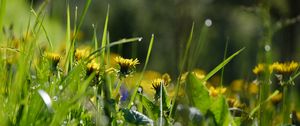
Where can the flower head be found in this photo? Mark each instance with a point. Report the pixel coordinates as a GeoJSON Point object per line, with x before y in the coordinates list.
{"type": "Point", "coordinates": [126, 65]}
{"type": "Point", "coordinates": [82, 53]}
{"type": "Point", "coordinates": [216, 91]}
{"type": "Point", "coordinates": [277, 98]}
{"type": "Point", "coordinates": [285, 68]}
{"type": "Point", "coordinates": [260, 68]}
{"type": "Point", "coordinates": [156, 84]}
{"type": "Point", "coordinates": [237, 85]}
{"type": "Point", "coordinates": [92, 67]}
{"type": "Point", "coordinates": [54, 59]}
{"type": "Point", "coordinates": [253, 88]}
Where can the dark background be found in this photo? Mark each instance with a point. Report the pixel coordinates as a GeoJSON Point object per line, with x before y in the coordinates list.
{"type": "Point", "coordinates": [235, 21]}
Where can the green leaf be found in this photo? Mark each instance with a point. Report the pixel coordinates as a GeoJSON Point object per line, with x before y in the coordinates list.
{"type": "Point", "coordinates": [143, 71]}
{"type": "Point", "coordinates": [151, 108]}
{"type": "Point", "coordinates": [220, 110]}
{"type": "Point", "coordinates": [104, 36]}
{"type": "Point", "coordinates": [136, 117]}
{"type": "Point", "coordinates": [197, 93]}
{"type": "Point", "coordinates": [221, 65]}
{"type": "Point", "coordinates": [258, 106]}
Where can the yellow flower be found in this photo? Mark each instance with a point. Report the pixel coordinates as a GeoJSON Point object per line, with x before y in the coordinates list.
{"type": "Point", "coordinates": [93, 67]}
{"type": "Point", "coordinates": [54, 59]}
{"type": "Point", "coordinates": [234, 103]}
{"type": "Point", "coordinates": [260, 68]}
{"type": "Point", "coordinates": [166, 77]}
{"type": "Point", "coordinates": [277, 98]}
{"type": "Point", "coordinates": [126, 65]}
{"type": "Point", "coordinates": [253, 88]}
{"type": "Point", "coordinates": [156, 84]}
{"type": "Point", "coordinates": [237, 85]}
{"type": "Point", "coordinates": [82, 53]}
{"type": "Point", "coordinates": [216, 91]}
{"type": "Point", "coordinates": [200, 74]}
{"type": "Point", "coordinates": [285, 68]}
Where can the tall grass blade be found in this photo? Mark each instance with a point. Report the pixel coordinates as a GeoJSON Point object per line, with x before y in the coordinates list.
{"type": "Point", "coordinates": [143, 71]}
{"type": "Point", "coordinates": [2, 13]}
{"type": "Point", "coordinates": [221, 65]}
{"type": "Point", "coordinates": [181, 67]}
{"type": "Point", "coordinates": [103, 42]}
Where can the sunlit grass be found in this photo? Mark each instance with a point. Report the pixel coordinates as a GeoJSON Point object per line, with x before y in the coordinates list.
{"type": "Point", "coordinates": [41, 85]}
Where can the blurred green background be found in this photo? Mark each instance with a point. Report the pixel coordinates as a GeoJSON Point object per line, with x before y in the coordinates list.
{"type": "Point", "coordinates": [237, 22]}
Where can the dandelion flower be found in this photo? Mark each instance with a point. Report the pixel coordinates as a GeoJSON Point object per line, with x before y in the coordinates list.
{"type": "Point", "coordinates": [216, 91]}
{"type": "Point", "coordinates": [253, 88]}
{"type": "Point", "coordinates": [127, 66]}
{"type": "Point", "coordinates": [82, 53]}
{"type": "Point", "coordinates": [166, 77]}
{"type": "Point", "coordinates": [277, 98]}
{"type": "Point", "coordinates": [237, 85]}
{"type": "Point", "coordinates": [54, 59]}
{"type": "Point", "coordinates": [92, 67]}
{"type": "Point", "coordinates": [260, 68]}
{"type": "Point", "coordinates": [285, 68]}
{"type": "Point", "coordinates": [156, 84]}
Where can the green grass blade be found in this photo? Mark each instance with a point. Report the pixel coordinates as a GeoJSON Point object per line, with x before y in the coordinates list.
{"type": "Point", "coordinates": [82, 17]}
{"type": "Point", "coordinates": [122, 41]}
{"type": "Point", "coordinates": [103, 42]}
{"type": "Point", "coordinates": [68, 40]}
{"type": "Point", "coordinates": [43, 28]}
{"type": "Point", "coordinates": [197, 48]}
{"type": "Point", "coordinates": [258, 106]}
{"type": "Point", "coordinates": [142, 74]}
{"type": "Point", "coordinates": [221, 65]}
{"type": "Point", "coordinates": [2, 13]}
{"type": "Point", "coordinates": [181, 67]}
{"type": "Point", "coordinates": [224, 57]}
{"type": "Point", "coordinates": [186, 51]}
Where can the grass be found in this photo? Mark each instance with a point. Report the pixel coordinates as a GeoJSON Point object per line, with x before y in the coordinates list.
{"type": "Point", "coordinates": [42, 86]}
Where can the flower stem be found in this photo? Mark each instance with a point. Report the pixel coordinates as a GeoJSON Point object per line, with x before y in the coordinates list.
{"type": "Point", "coordinates": [285, 105]}
{"type": "Point", "coordinates": [115, 94]}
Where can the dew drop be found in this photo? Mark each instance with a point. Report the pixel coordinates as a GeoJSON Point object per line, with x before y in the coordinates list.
{"type": "Point", "coordinates": [55, 98]}
{"type": "Point", "coordinates": [267, 48]}
{"type": "Point", "coordinates": [60, 87]}
{"type": "Point", "coordinates": [140, 39]}
{"type": "Point", "coordinates": [140, 90]}
{"type": "Point", "coordinates": [208, 22]}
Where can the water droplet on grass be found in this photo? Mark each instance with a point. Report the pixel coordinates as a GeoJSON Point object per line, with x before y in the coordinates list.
{"type": "Point", "coordinates": [208, 22]}
{"type": "Point", "coordinates": [267, 48]}
{"type": "Point", "coordinates": [60, 87]}
{"type": "Point", "coordinates": [55, 98]}
{"type": "Point", "coordinates": [140, 90]}
{"type": "Point", "coordinates": [140, 39]}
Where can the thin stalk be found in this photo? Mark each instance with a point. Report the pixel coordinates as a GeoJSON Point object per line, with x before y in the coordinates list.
{"type": "Point", "coordinates": [161, 105]}
{"type": "Point", "coordinates": [142, 74]}
{"type": "Point", "coordinates": [225, 54]}
{"type": "Point", "coordinates": [181, 68]}
{"type": "Point", "coordinates": [2, 13]}
{"type": "Point", "coordinates": [285, 105]}
{"type": "Point", "coordinates": [117, 89]}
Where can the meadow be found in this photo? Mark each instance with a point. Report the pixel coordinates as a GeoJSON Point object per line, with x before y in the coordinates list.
{"type": "Point", "coordinates": [47, 82]}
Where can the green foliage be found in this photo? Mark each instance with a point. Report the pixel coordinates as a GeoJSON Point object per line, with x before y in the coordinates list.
{"type": "Point", "coordinates": [136, 117]}
{"type": "Point", "coordinates": [220, 110]}
{"type": "Point", "coordinates": [199, 97]}
{"type": "Point", "coordinates": [36, 90]}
